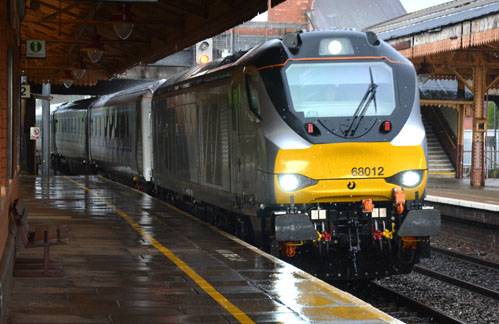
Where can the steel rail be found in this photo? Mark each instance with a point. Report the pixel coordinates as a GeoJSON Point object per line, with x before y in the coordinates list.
{"type": "Point", "coordinates": [422, 309]}
{"type": "Point", "coordinates": [457, 282]}
{"type": "Point", "coordinates": [468, 258]}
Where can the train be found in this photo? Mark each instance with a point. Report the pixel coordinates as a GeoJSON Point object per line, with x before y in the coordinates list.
{"type": "Point", "coordinates": [311, 147]}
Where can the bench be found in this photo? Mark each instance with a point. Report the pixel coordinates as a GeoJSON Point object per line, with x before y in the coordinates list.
{"type": "Point", "coordinates": [43, 236]}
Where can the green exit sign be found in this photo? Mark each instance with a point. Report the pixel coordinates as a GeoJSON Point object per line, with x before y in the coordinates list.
{"type": "Point", "coordinates": [35, 49]}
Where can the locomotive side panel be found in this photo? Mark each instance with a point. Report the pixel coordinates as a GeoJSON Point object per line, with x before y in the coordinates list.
{"type": "Point", "coordinates": [214, 138]}
{"type": "Point", "coordinates": [191, 141]}
{"type": "Point", "coordinates": [174, 125]}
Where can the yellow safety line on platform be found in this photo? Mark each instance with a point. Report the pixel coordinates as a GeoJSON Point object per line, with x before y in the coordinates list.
{"type": "Point", "coordinates": [205, 285]}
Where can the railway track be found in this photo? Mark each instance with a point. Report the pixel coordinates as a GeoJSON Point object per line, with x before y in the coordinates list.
{"type": "Point", "coordinates": [466, 257]}
{"type": "Point", "coordinates": [400, 306]}
{"type": "Point", "coordinates": [457, 282]}
{"type": "Point", "coordinates": [458, 285]}
{"type": "Point", "coordinates": [425, 313]}
{"type": "Point", "coordinates": [470, 273]}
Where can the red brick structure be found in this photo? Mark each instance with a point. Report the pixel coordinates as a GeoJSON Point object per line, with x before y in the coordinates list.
{"type": "Point", "coordinates": [10, 13]}
{"type": "Point", "coordinates": [288, 16]}
{"type": "Point", "coordinates": [291, 11]}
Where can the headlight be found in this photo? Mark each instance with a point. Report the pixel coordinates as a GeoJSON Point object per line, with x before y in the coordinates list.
{"type": "Point", "coordinates": [335, 46]}
{"type": "Point", "coordinates": [407, 179]}
{"type": "Point", "coordinates": [294, 182]}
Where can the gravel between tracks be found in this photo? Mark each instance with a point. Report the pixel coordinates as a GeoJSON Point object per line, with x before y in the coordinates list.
{"type": "Point", "coordinates": [460, 303]}
{"type": "Point", "coordinates": [466, 271]}
{"type": "Point", "coordinates": [444, 242]}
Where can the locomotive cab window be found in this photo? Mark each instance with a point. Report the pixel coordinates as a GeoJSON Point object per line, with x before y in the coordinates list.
{"type": "Point", "coordinates": [252, 95]}
{"type": "Point", "coordinates": [321, 90]}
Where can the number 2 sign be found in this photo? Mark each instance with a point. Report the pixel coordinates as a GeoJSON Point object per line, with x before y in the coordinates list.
{"type": "Point", "coordinates": [25, 91]}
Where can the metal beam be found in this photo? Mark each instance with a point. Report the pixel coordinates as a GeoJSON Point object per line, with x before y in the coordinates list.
{"type": "Point", "coordinates": [45, 130]}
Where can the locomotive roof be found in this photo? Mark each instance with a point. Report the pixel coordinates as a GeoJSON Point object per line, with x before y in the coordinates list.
{"type": "Point", "coordinates": [275, 52]}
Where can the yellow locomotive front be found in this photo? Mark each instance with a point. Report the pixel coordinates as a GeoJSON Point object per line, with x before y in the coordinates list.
{"type": "Point", "coordinates": [350, 166]}
{"type": "Point", "coordinates": [350, 172]}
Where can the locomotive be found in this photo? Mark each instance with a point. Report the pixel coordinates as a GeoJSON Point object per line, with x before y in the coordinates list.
{"type": "Point", "coordinates": [312, 147]}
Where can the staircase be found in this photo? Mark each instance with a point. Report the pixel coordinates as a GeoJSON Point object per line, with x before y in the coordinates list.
{"type": "Point", "coordinates": [439, 165]}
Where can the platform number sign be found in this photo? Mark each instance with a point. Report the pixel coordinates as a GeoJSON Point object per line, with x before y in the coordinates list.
{"type": "Point", "coordinates": [35, 49]}
{"type": "Point", "coordinates": [25, 91]}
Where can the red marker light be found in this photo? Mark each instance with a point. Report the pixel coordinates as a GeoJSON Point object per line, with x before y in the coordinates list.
{"type": "Point", "coordinates": [386, 126]}
{"type": "Point", "coordinates": [310, 128]}
{"type": "Point", "coordinates": [204, 59]}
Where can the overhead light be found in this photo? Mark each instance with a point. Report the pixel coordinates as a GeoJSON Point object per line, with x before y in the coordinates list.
{"type": "Point", "coordinates": [78, 67]}
{"type": "Point", "coordinates": [67, 79]}
{"type": "Point", "coordinates": [94, 49]}
{"type": "Point", "coordinates": [123, 21]}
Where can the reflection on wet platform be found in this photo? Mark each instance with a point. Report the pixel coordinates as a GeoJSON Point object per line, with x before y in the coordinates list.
{"type": "Point", "coordinates": [135, 259]}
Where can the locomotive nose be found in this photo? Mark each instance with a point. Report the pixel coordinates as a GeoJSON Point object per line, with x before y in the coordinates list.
{"type": "Point", "coordinates": [348, 172]}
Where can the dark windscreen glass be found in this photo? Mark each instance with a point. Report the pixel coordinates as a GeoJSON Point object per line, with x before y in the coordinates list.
{"type": "Point", "coordinates": [320, 90]}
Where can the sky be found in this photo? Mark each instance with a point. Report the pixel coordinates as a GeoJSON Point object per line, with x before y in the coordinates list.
{"type": "Point", "coordinates": [415, 5]}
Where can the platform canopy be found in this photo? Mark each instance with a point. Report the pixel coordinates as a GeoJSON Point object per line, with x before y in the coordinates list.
{"type": "Point", "coordinates": [68, 27]}
{"type": "Point", "coordinates": [448, 40]}
{"type": "Point", "coordinates": [456, 40]}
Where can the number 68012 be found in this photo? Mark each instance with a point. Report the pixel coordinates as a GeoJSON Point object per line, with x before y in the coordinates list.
{"type": "Point", "coordinates": [368, 171]}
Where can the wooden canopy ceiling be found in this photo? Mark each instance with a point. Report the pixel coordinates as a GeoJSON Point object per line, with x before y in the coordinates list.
{"type": "Point", "coordinates": [160, 28]}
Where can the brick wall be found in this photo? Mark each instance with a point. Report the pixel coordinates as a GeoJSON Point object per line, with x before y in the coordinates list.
{"type": "Point", "coordinates": [288, 16]}
{"type": "Point", "coordinates": [3, 95]}
{"type": "Point", "coordinates": [8, 187]}
{"type": "Point", "coordinates": [291, 11]}
{"type": "Point", "coordinates": [5, 203]}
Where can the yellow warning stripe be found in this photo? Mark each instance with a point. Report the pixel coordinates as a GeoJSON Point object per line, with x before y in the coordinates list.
{"type": "Point", "coordinates": [205, 285]}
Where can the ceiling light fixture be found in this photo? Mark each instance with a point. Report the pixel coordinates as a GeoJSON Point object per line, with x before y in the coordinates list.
{"type": "Point", "coordinates": [123, 21]}
{"type": "Point", "coordinates": [67, 79]}
{"type": "Point", "coordinates": [78, 67]}
{"type": "Point", "coordinates": [94, 49]}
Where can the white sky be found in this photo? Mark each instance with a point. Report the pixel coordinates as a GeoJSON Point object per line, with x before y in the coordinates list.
{"type": "Point", "coordinates": [415, 5]}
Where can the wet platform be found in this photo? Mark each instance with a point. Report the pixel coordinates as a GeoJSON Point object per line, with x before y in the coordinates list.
{"type": "Point", "coordinates": [459, 192]}
{"type": "Point", "coordinates": [134, 259]}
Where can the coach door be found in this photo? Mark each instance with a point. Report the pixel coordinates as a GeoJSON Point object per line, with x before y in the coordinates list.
{"type": "Point", "coordinates": [236, 168]}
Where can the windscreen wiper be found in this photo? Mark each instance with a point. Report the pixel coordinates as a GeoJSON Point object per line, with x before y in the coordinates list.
{"type": "Point", "coordinates": [368, 97]}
